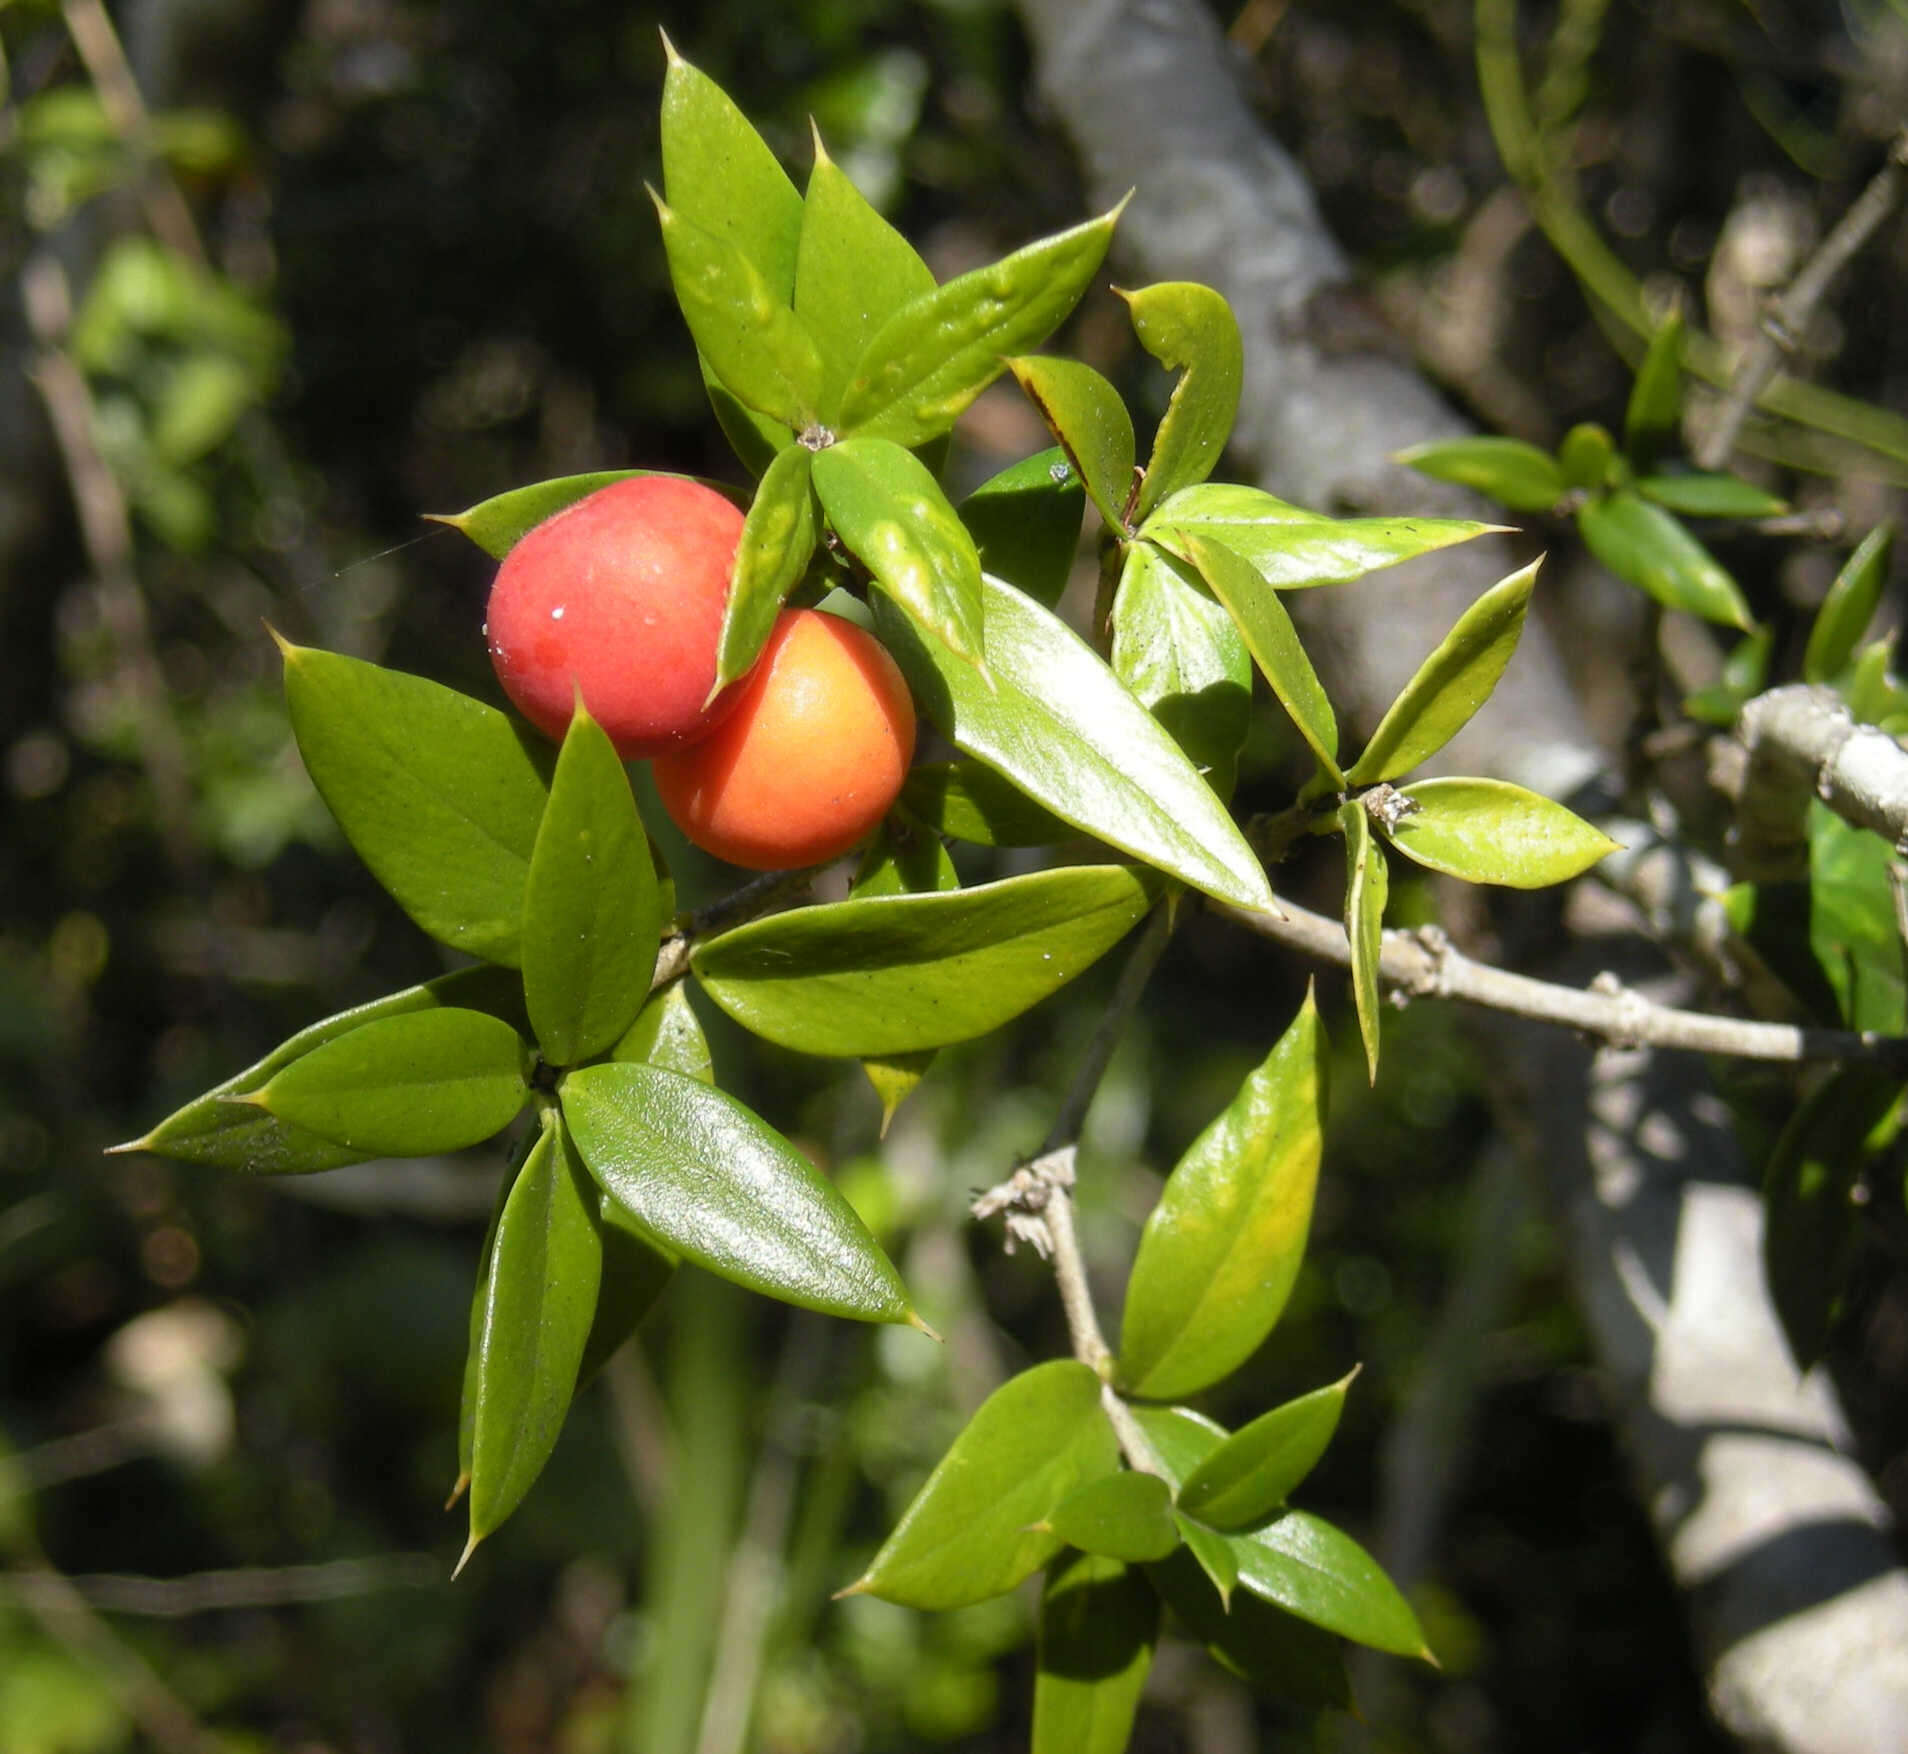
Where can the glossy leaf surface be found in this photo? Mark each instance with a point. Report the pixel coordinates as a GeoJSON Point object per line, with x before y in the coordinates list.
{"type": "Point", "coordinates": [1276, 1652]}
{"type": "Point", "coordinates": [1451, 684]}
{"type": "Point", "coordinates": [1696, 495]}
{"type": "Point", "coordinates": [592, 909]}
{"type": "Point", "coordinates": [1252, 1473]}
{"type": "Point", "coordinates": [1268, 632]}
{"type": "Point", "coordinates": [1849, 607]}
{"type": "Point", "coordinates": [893, 974]}
{"type": "Point", "coordinates": [1189, 329]}
{"type": "Point", "coordinates": [1055, 721]}
{"type": "Point", "coordinates": [405, 1086]}
{"type": "Point", "coordinates": [1644, 545]}
{"type": "Point", "coordinates": [778, 539]}
{"type": "Point", "coordinates": [497, 524]}
{"type": "Point", "coordinates": [1099, 1623]}
{"type": "Point", "coordinates": [1220, 1251]}
{"type": "Point", "coordinates": [930, 359]}
{"type": "Point", "coordinates": [1026, 523]}
{"type": "Point", "coordinates": [1293, 548]}
{"type": "Point", "coordinates": [711, 1181]}
{"type": "Point", "coordinates": [667, 1033]}
{"type": "Point", "coordinates": [539, 1300]}
{"type": "Point", "coordinates": [853, 271]}
{"type": "Point", "coordinates": [758, 348]}
{"type": "Point", "coordinates": [1184, 659]}
{"type": "Point", "coordinates": [969, 801]}
{"type": "Point", "coordinates": [1125, 1516]}
{"type": "Point", "coordinates": [1508, 470]}
{"type": "Point", "coordinates": [238, 1136]}
{"type": "Point", "coordinates": [1213, 1553]}
{"type": "Point", "coordinates": [894, 518]}
{"type": "Point", "coordinates": [970, 1532]}
{"type": "Point", "coordinates": [439, 794]}
{"type": "Point", "coordinates": [1489, 831]}
{"type": "Point", "coordinates": [1367, 887]}
{"type": "Point", "coordinates": [1089, 418]}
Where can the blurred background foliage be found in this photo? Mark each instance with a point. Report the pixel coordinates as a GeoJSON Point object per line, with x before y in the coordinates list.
{"type": "Point", "coordinates": [352, 261]}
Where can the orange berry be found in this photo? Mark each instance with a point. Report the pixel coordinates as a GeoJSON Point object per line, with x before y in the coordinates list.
{"type": "Point", "coordinates": [622, 596]}
{"type": "Point", "coordinates": [810, 759]}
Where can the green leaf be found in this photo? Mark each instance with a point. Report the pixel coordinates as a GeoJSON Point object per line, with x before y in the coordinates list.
{"type": "Point", "coordinates": [1099, 1623]}
{"type": "Point", "coordinates": [853, 271]}
{"type": "Point", "coordinates": [1278, 1653]}
{"type": "Point", "coordinates": [1451, 684]}
{"type": "Point", "coordinates": [904, 858]}
{"type": "Point", "coordinates": [1490, 831]}
{"type": "Point", "coordinates": [1189, 329]}
{"type": "Point", "coordinates": [1507, 470]}
{"type": "Point", "coordinates": [759, 350]}
{"type": "Point", "coordinates": [1214, 1554]}
{"type": "Point", "coordinates": [972, 1531]}
{"type": "Point", "coordinates": [1873, 693]}
{"type": "Point", "coordinates": [237, 1136]}
{"type": "Point", "coordinates": [1118, 1516]}
{"type": "Point", "coordinates": [1587, 458]}
{"type": "Point", "coordinates": [1696, 495]}
{"type": "Point", "coordinates": [404, 1086]}
{"type": "Point", "coordinates": [970, 802]}
{"type": "Point", "coordinates": [778, 540]}
{"type": "Point", "coordinates": [893, 974]}
{"type": "Point", "coordinates": [497, 524]}
{"type": "Point", "coordinates": [1367, 885]}
{"type": "Point", "coordinates": [1292, 548]}
{"type": "Point", "coordinates": [473, 1351]}
{"type": "Point", "coordinates": [1026, 523]}
{"type": "Point", "coordinates": [1085, 413]}
{"type": "Point", "coordinates": [592, 911]}
{"type": "Point", "coordinates": [1252, 1473]}
{"type": "Point", "coordinates": [1220, 1251]}
{"type": "Point", "coordinates": [1849, 607]}
{"type": "Point", "coordinates": [894, 518]}
{"type": "Point", "coordinates": [1852, 922]}
{"type": "Point", "coordinates": [1055, 721]}
{"type": "Point", "coordinates": [1812, 1227]}
{"type": "Point", "coordinates": [698, 1172]}
{"type": "Point", "coordinates": [1184, 659]}
{"type": "Point", "coordinates": [666, 1033]}
{"type": "Point", "coordinates": [1274, 644]}
{"type": "Point", "coordinates": [1297, 1562]}
{"type": "Point", "coordinates": [720, 173]}
{"type": "Point", "coordinates": [1745, 673]}
{"type": "Point", "coordinates": [930, 359]}
{"type": "Point", "coordinates": [539, 1300]}
{"type": "Point", "coordinates": [439, 794]}
{"type": "Point", "coordinates": [1652, 419]}
{"type": "Point", "coordinates": [1646, 547]}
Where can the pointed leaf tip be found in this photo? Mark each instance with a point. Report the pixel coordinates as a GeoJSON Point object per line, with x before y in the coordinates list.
{"type": "Point", "coordinates": [470, 1547]}
{"type": "Point", "coordinates": [458, 1488]}
{"type": "Point", "coordinates": [914, 1321]}
{"type": "Point", "coordinates": [142, 1143]}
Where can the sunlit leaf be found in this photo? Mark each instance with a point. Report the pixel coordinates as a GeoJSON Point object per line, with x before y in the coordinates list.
{"type": "Point", "coordinates": [1587, 457]}
{"type": "Point", "coordinates": [893, 517]}
{"type": "Point", "coordinates": [1451, 684]}
{"type": "Point", "coordinates": [893, 974]}
{"type": "Point", "coordinates": [1086, 414]}
{"type": "Point", "coordinates": [1189, 329]}
{"type": "Point", "coordinates": [410, 1085]}
{"type": "Point", "coordinates": [497, 524]}
{"type": "Point", "coordinates": [439, 794]}
{"type": "Point", "coordinates": [1513, 473]}
{"type": "Point", "coordinates": [592, 913]}
{"type": "Point", "coordinates": [1253, 1472]}
{"type": "Point", "coordinates": [1213, 1553]}
{"type": "Point", "coordinates": [1053, 719]}
{"type": "Point", "coordinates": [1220, 1251]}
{"type": "Point", "coordinates": [1026, 523]}
{"type": "Point", "coordinates": [1367, 886]}
{"type": "Point", "coordinates": [666, 1033]}
{"type": "Point", "coordinates": [695, 1170]}
{"type": "Point", "coordinates": [778, 539]}
{"type": "Point", "coordinates": [1119, 1516]}
{"type": "Point", "coordinates": [972, 1531]}
{"type": "Point", "coordinates": [929, 360]}
{"type": "Point", "coordinates": [1696, 495]}
{"type": "Point", "coordinates": [1645, 546]}
{"type": "Point", "coordinates": [1849, 607]}
{"type": "Point", "coordinates": [1490, 831]}
{"type": "Point", "coordinates": [970, 802]}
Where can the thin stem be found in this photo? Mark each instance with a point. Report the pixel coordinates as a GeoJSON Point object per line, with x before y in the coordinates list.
{"type": "Point", "coordinates": [1425, 964]}
{"type": "Point", "coordinates": [757, 896]}
{"type": "Point", "coordinates": [1787, 317]}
